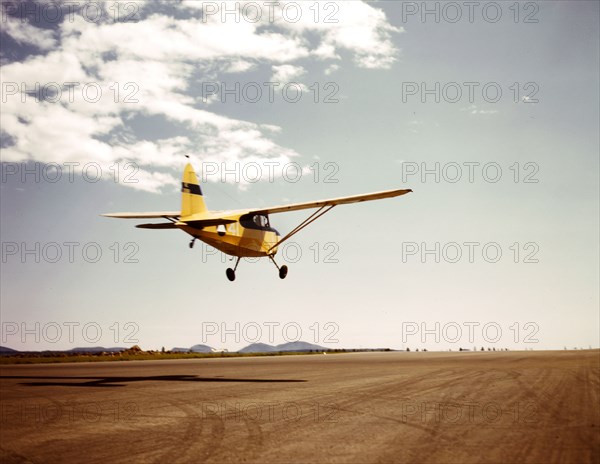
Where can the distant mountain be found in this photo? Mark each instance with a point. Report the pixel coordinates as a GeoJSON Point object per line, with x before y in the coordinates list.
{"type": "Point", "coordinates": [258, 348]}
{"type": "Point", "coordinates": [180, 350]}
{"type": "Point", "coordinates": [6, 350]}
{"type": "Point", "coordinates": [201, 349]}
{"type": "Point", "coordinates": [95, 349]}
{"type": "Point", "coordinates": [290, 346]}
{"type": "Point", "coordinates": [299, 346]}
{"type": "Point", "coordinates": [194, 349]}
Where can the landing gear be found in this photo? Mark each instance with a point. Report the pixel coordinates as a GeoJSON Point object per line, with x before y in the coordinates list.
{"type": "Point", "coordinates": [231, 272]}
{"type": "Point", "coordinates": [283, 270]}
{"type": "Point", "coordinates": [192, 242]}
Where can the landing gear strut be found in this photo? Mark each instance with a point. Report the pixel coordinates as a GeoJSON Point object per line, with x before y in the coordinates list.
{"type": "Point", "coordinates": [192, 242]}
{"type": "Point", "coordinates": [283, 270]}
{"type": "Point", "coordinates": [231, 272]}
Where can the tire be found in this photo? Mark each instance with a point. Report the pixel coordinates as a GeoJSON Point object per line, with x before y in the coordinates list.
{"type": "Point", "coordinates": [230, 274]}
{"type": "Point", "coordinates": [283, 270]}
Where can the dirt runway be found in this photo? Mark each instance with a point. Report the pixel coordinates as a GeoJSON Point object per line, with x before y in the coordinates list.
{"type": "Point", "coordinates": [470, 407]}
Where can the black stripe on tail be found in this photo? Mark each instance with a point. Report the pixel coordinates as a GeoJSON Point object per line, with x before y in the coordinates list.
{"type": "Point", "coordinates": [193, 189]}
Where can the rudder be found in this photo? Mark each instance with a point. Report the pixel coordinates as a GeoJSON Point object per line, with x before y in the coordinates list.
{"type": "Point", "coordinates": [192, 201]}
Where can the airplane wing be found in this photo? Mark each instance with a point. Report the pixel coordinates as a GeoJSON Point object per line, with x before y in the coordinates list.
{"type": "Point", "coordinates": [332, 201]}
{"type": "Point", "coordinates": [163, 214]}
{"type": "Point", "coordinates": [214, 218]}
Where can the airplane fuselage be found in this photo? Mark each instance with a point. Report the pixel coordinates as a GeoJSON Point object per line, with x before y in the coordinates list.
{"type": "Point", "coordinates": [247, 236]}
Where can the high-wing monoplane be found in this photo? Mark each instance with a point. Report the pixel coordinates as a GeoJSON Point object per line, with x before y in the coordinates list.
{"type": "Point", "coordinates": [239, 233]}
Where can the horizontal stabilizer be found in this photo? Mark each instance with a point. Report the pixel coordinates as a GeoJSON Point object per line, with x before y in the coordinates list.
{"type": "Point", "coordinates": [163, 214]}
{"type": "Point", "coordinates": [160, 225]}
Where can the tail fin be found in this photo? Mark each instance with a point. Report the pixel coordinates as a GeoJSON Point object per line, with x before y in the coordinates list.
{"type": "Point", "coordinates": [192, 201]}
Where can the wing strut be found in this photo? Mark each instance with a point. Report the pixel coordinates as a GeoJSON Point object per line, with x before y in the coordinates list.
{"type": "Point", "coordinates": [310, 219]}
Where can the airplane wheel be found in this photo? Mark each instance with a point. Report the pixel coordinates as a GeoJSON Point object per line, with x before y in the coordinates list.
{"type": "Point", "coordinates": [283, 270]}
{"type": "Point", "coordinates": [192, 244]}
{"type": "Point", "coordinates": [230, 274]}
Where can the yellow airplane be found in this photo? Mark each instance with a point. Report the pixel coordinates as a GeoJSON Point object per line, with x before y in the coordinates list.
{"type": "Point", "coordinates": [239, 233]}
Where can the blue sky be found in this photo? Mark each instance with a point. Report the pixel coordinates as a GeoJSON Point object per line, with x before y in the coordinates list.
{"type": "Point", "coordinates": [489, 115]}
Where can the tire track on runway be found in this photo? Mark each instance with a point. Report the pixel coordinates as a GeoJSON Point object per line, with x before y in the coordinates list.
{"type": "Point", "coordinates": [383, 393]}
{"type": "Point", "coordinates": [440, 434]}
{"type": "Point", "coordinates": [458, 434]}
{"type": "Point", "coordinates": [192, 445]}
{"type": "Point", "coordinates": [561, 431]}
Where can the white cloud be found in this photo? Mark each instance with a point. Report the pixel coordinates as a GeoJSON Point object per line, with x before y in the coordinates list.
{"type": "Point", "coordinates": [473, 109]}
{"type": "Point", "coordinates": [59, 66]}
{"type": "Point", "coordinates": [287, 73]}
{"type": "Point", "coordinates": [239, 66]}
{"type": "Point", "coordinates": [165, 38]}
{"type": "Point", "coordinates": [150, 68]}
{"type": "Point", "coordinates": [331, 69]}
{"type": "Point", "coordinates": [150, 181]}
{"type": "Point", "coordinates": [25, 33]}
{"type": "Point", "coordinates": [353, 26]}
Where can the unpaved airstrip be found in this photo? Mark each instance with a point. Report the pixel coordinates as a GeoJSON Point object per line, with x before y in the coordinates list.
{"type": "Point", "coordinates": [453, 407]}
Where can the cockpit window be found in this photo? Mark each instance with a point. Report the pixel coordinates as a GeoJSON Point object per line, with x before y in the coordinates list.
{"type": "Point", "coordinates": [256, 221]}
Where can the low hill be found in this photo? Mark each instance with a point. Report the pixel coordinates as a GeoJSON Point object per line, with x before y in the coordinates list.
{"type": "Point", "coordinates": [298, 347]}
{"type": "Point", "coordinates": [7, 350]}
{"type": "Point", "coordinates": [95, 349]}
{"type": "Point", "coordinates": [257, 348]}
{"type": "Point", "coordinates": [194, 349]}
